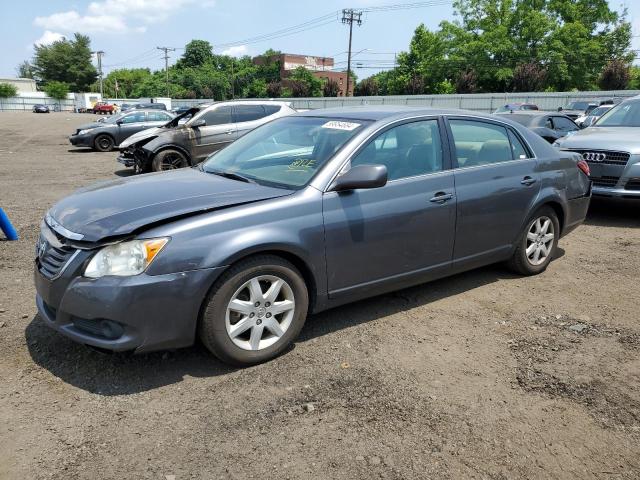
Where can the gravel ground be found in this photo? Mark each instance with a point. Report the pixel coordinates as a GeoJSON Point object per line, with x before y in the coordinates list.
{"type": "Point", "coordinates": [483, 375]}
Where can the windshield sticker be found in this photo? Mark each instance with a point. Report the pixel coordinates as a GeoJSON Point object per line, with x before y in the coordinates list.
{"type": "Point", "coordinates": [336, 125]}
{"type": "Point", "coordinates": [301, 165]}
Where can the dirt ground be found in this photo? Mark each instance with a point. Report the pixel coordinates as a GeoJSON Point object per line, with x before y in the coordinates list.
{"type": "Point", "coordinates": [485, 375]}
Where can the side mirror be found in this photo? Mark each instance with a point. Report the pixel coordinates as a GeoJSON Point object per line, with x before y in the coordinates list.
{"type": "Point", "coordinates": [198, 123]}
{"type": "Point", "coordinates": [119, 121]}
{"type": "Point", "coordinates": [360, 176]}
{"type": "Point", "coordinates": [559, 109]}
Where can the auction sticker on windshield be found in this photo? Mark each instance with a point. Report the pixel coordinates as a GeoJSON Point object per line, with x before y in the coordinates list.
{"type": "Point", "coordinates": [336, 125]}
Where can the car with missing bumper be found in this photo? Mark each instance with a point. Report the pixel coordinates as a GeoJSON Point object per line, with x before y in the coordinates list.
{"type": "Point", "coordinates": [304, 213]}
{"type": "Point", "coordinates": [107, 134]}
{"type": "Point", "coordinates": [197, 133]}
{"type": "Point", "coordinates": [611, 147]}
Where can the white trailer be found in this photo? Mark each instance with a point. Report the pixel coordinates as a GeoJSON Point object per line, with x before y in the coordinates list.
{"type": "Point", "coordinates": [84, 102]}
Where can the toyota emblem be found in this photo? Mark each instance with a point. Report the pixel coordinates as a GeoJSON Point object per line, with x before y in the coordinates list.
{"type": "Point", "coordinates": [42, 248]}
{"type": "Point", "coordinates": [594, 156]}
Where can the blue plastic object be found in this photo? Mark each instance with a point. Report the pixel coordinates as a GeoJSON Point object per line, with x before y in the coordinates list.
{"type": "Point", "coordinates": [6, 227]}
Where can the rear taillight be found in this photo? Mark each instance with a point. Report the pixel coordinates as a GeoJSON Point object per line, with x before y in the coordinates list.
{"type": "Point", "coordinates": [584, 166]}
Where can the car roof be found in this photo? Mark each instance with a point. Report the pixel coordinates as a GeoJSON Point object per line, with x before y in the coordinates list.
{"type": "Point", "coordinates": [151, 110]}
{"type": "Point", "coordinates": [383, 112]}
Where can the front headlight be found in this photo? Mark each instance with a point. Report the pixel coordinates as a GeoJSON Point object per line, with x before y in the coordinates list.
{"type": "Point", "coordinates": [124, 259]}
{"type": "Point", "coordinates": [82, 132]}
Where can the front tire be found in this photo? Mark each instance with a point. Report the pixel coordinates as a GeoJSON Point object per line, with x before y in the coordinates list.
{"type": "Point", "coordinates": [254, 311]}
{"type": "Point", "coordinates": [104, 143]}
{"type": "Point", "coordinates": [169, 160]}
{"type": "Point", "coordinates": [537, 243]}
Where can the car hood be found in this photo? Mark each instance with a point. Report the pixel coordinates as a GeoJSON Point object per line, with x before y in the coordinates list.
{"type": "Point", "coordinates": [604, 138]}
{"type": "Point", "coordinates": [143, 135]}
{"type": "Point", "coordinates": [121, 207]}
{"type": "Point", "coordinates": [89, 126]}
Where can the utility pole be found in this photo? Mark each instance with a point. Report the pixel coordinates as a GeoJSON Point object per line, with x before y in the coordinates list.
{"type": "Point", "coordinates": [166, 51]}
{"type": "Point", "coordinates": [99, 54]}
{"type": "Point", "coordinates": [349, 15]}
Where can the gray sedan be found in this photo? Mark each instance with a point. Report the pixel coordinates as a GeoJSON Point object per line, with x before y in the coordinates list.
{"type": "Point", "coordinates": [107, 134]}
{"type": "Point", "coordinates": [302, 214]}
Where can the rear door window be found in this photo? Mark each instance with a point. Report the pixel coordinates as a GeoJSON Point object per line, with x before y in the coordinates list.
{"type": "Point", "coordinates": [480, 143]}
{"type": "Point", "coordinates": [564, 124]}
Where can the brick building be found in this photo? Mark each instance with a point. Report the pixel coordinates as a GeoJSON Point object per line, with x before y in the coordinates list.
{"type": "Point", "coordinates": [321, 67]}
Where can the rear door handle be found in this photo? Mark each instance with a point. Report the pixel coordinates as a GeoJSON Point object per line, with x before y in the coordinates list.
{"type": "Point", "coordinates": [528, 181]}
{"type": "Point", "coordinates": [441, 197]}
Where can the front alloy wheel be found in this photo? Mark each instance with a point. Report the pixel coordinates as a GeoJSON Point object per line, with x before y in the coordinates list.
{"type": "Point", "coordinates": [260, 312]}
{"type": "Point", "coordinates": [254, 311]}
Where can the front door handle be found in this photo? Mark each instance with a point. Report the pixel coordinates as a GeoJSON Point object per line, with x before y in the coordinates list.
{"type": "Point", "coordinates": [441, 197]}
{"type": "Point", "coordinates": [229, 132]}
{"type": "Point", "coordinates": [528, 181]}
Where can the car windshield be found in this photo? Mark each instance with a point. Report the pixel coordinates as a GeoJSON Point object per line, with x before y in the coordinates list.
{"type": "Point", "coordinates": [596, 112]}
{"type": "Point", "coordinates": [624, 115]}
{"type": "Point", "coordinates": [507, 108]}
{"type": "Point", "coordinates": [286, 152]}
{"type": "Point", "coordinates": [522, 119]}
{"type": "Point", "coordinates": [577, 106]}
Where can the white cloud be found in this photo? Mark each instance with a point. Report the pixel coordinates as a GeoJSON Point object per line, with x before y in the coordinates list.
{"type": "Point", "coordinates": [238, 51]}
{"type": "Point", "coordinates": [48, 37]}
{"type": "Point", "coordinates": [113, 16]}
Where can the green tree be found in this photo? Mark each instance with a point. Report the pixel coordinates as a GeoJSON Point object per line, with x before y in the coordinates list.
{"type": "Point", "coordinates": [57, 90]}
{"type": "Point", "coordinates": [196, 53]}
{"type": "Point", "coordinates": [8, 90]}
{"type": "Point", "coordinates": [571, 41]}
{"type": "Point", "coordinates": [615, 76]}
{"type": "Point", "coordinates": [67, 61]}
{"type": "Point", "coordinates": [25, 70]}
{"type": "Point", "coordinates": [304, 83]}
{"type": "Point", "coordinates": [330, 88]}
{"type": "Point", "coordinates": [367, 87]}
{"type": "Point", "coordinates": [128, 81]}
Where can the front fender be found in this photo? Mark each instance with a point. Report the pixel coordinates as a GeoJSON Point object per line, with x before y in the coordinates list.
{"type": "Point", "coordinates": [158, 144]}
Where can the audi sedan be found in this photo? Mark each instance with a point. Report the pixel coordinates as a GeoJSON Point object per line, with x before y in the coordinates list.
{"type": "Point", "coordinates": [612, 150]}
{"type": "Point", "coordinates": [304, 213]}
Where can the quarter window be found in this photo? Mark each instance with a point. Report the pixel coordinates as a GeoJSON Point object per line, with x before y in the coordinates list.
{"type": "Point", "coordinates": [406, 150]}
{"type": "Point", "coordinates": [219, 116]}
{"type": "Point", "coordinates": [480, 143]}
{"type": "Point", "coordinates": [518, 149]}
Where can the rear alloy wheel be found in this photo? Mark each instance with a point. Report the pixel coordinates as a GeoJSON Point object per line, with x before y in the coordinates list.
{"type": "Point", "coordinates": [255, 311]}
{"type": "Point", "coordinates": [537, 244]}
{"type": "Point", "coordinates": [104, 143]}
{"type": "Point", "coordinates": [169, 160]}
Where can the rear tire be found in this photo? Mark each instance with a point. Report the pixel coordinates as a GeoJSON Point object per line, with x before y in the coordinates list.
{"type": "Point", "coordinates": [169, 160]}
{"type": "Point", "coordinates": [537, 243]}
{"type": "Point", "coordinates": [254, 311]}
{"type": "Point", "coordinates": [104, 143]}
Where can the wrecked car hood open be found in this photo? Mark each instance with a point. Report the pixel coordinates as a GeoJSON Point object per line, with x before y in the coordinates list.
{"type": "Point", "coordinates": [120, 207]}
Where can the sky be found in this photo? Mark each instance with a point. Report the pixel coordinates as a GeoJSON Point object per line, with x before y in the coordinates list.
{"type": "Point", "coordinates": [129, 31]}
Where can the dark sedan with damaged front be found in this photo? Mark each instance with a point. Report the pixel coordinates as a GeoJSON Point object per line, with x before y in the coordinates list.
{"type": "Point", "coordinates": [302, 214]}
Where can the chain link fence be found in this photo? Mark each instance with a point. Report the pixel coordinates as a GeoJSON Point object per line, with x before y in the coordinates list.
{"type": "Point", "coordinates": [480, 102]}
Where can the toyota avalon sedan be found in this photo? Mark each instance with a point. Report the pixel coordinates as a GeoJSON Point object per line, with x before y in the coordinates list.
{"type": "Point", "coordinates": [304, 213]}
